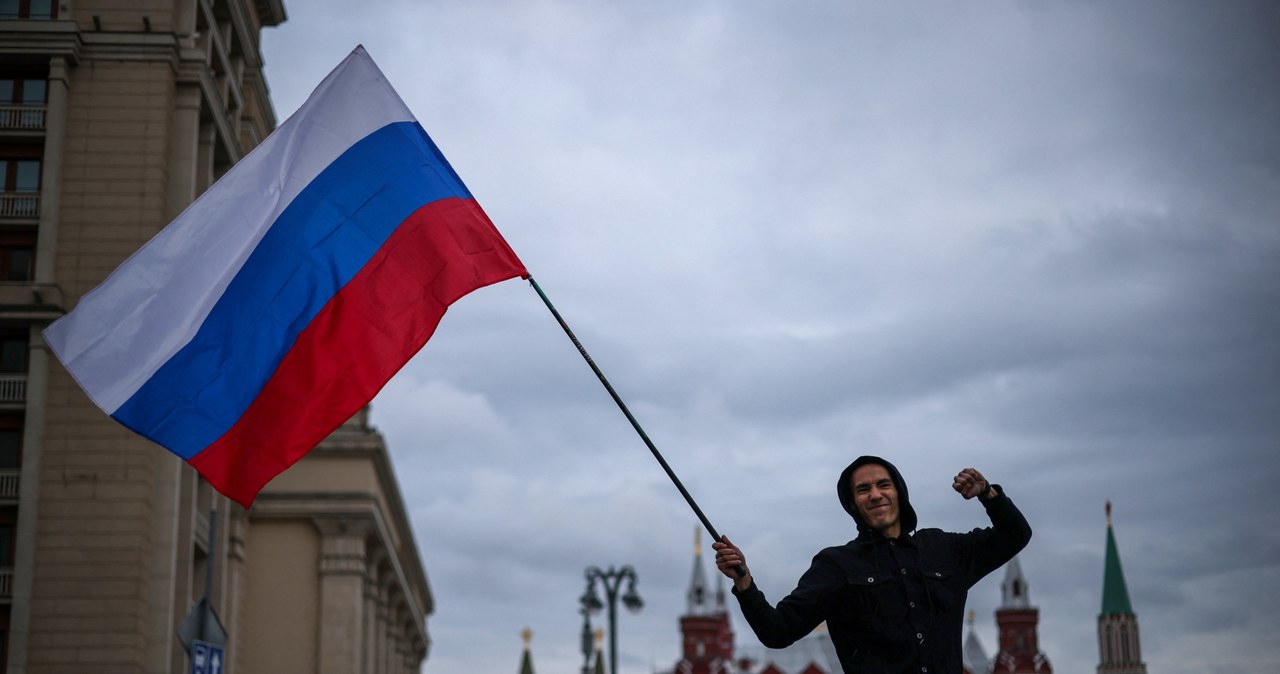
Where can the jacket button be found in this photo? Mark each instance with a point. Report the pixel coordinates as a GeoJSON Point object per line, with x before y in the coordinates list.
{"type": "Point", "coordinates": [870, 579]}
{"type": "Point", "coordinates": [912, 604]}
{"type": "Point", "coordinates": [919, 635]}
{"type": "Point", "coordinates": [939, 575]}
{"type": "Point", "coordinates": [904, 572]}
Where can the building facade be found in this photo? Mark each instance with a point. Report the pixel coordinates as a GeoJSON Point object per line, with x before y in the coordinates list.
{"type": "Point", "coordinates": [325, 562]}
{"type": "Point", "coordinates": [114, 116]}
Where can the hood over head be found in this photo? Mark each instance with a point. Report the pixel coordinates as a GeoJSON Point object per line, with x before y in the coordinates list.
{"type": "Point", "coordinates": [844, 489]}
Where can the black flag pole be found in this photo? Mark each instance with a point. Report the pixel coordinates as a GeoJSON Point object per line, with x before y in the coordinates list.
{"type": "Point", "coordinates": [635, 424]}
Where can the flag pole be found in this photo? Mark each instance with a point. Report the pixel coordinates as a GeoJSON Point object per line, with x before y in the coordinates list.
{"type": "Point", "coordinates": [623, 406]}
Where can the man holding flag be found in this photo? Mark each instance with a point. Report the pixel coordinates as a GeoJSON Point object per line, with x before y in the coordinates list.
{"type": "Point", "coordinates": [893, 598]}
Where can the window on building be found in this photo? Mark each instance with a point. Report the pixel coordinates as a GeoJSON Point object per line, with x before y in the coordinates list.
{"type": "Point", "coordinates": [10, 448]}
{"type": "Point", "coordinates": [10, 443]}
{"type": "Point", "coordinates": [22, 90]}
{"type": "Point", "coordinates": [19, 187]}
{"type": "Point", "coordinates": [17, 260]}
{"type": "Point", "coordinates": [8, 523]}
{"type": "Point", "coordinates": [20, 175]}
{"type": "Point", "coordinates": [13, 351]}
{"type": "Point", "coordinates": [22, 100]}
{"type": "Point", "coordinates": [4, 638]}
{"type": "Point", "coordinates": [28, 9]}
{"type": "Point", "coordinates": [6, 544]}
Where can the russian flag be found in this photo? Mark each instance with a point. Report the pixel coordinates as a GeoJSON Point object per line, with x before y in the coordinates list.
{"type": "Point", "coordinates": [284, 298]}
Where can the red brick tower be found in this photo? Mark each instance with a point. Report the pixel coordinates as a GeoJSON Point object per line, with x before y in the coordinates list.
{"type": "Point", "coordinates": [707, 639]}
{"type": "Point", "coordinates": [1017, 620]}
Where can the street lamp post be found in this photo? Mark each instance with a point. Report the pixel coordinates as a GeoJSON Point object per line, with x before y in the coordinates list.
{"type": "Point", "coordinates": [587, 649]}
{"type": "Point", "coordinates": [612, 582]}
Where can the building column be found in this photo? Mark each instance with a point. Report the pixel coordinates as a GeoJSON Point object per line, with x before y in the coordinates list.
{"type": "Point", "coordinates": [236, 556]}
{"type": "Point", "coordinates": [204, 157]}
{"type": "Point", "coordinates": [28, 498]}
{"type": "Point", "coordinates": [403, 658]}
{"type": "Point", "coordinates": [384, 622]}
{"type": "Point", "coordinates": [397, 645]}
{"type": "Point", "coordinates": [342, 572]}
{"type": "Point", "coordinates": [391, 644]}
{"type": "Point", "coordinates": [55, 124]}
{"type": "Point", "coordinates": [55, 132]}
{"type": "Point", "coordinates": [183, 150]}
{"type": "Point", "coordinates": [370, 645]}
{"type": "Point", "coordinates": [403, 646]}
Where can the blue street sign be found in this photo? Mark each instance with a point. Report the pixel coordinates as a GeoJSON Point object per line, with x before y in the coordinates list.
{"type": "Point", "coordinates": [207, 658]}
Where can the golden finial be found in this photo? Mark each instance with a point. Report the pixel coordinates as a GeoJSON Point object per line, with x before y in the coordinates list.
{"type": "Point", "coordinates": [527, 635]}
{"type": "Point", "coordinates": [971, 617]}
{"type": "Point", "coordinates": [697, 542]}
{"type": "Point", "coordinates": [599, 634]}
{"type": "Point", "coordinates": [1108, 512]}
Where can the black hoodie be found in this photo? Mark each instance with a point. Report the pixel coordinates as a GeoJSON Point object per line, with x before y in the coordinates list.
{"type": "Point", "coordinates": [891, 605]}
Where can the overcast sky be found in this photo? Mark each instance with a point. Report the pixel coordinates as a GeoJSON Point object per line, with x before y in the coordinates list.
{"type": "Point", "coordinates": [1038, 238]}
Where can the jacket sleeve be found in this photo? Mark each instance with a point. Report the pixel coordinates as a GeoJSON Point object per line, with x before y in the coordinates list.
{"type": "Point", "coordinates": [798, 613]}
{"type": "Point", "coordinates": [1009, 533]}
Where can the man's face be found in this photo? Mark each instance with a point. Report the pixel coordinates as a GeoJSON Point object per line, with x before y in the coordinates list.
{"type": "Point", "coordinates": [876, 499]}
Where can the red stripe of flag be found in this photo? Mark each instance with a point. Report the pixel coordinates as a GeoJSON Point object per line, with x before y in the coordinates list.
{"type": "Point", "coordinates": [362, 337]}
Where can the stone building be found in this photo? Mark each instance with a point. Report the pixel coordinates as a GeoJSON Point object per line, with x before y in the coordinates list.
{"type": "Point", "coordinates": [114, 116]}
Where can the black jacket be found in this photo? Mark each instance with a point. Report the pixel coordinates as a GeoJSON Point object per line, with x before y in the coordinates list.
{"type": "Point", "coordinates": [891, 605]}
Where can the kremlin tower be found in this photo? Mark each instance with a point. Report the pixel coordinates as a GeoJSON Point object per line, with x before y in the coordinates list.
{"type": "Point", "coordinates": [706, 637]}
{"type": "Point", "coordinates": [1119, 649]}
{"type": "Point", "coordinates": [1017, 620]}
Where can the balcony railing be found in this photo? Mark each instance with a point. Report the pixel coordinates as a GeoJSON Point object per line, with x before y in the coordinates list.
{"type": "Point", "coordinates": [9, 483]}
{"type": "Point", "coordinates": [19, 204]}
{"type": "Point", "coordinates": [22, 117]}
{"type": "Point", "coordinates": [13, 388]}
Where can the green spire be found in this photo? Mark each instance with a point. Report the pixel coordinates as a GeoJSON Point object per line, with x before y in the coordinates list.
{"type": "Point", "coordinates": [526, 661]}
{"type": "Point", "coordinates": [1115, 596]}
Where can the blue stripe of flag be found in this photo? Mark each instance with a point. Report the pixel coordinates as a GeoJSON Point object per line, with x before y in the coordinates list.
{"type": "Point", "coordinates": [319, 243]}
